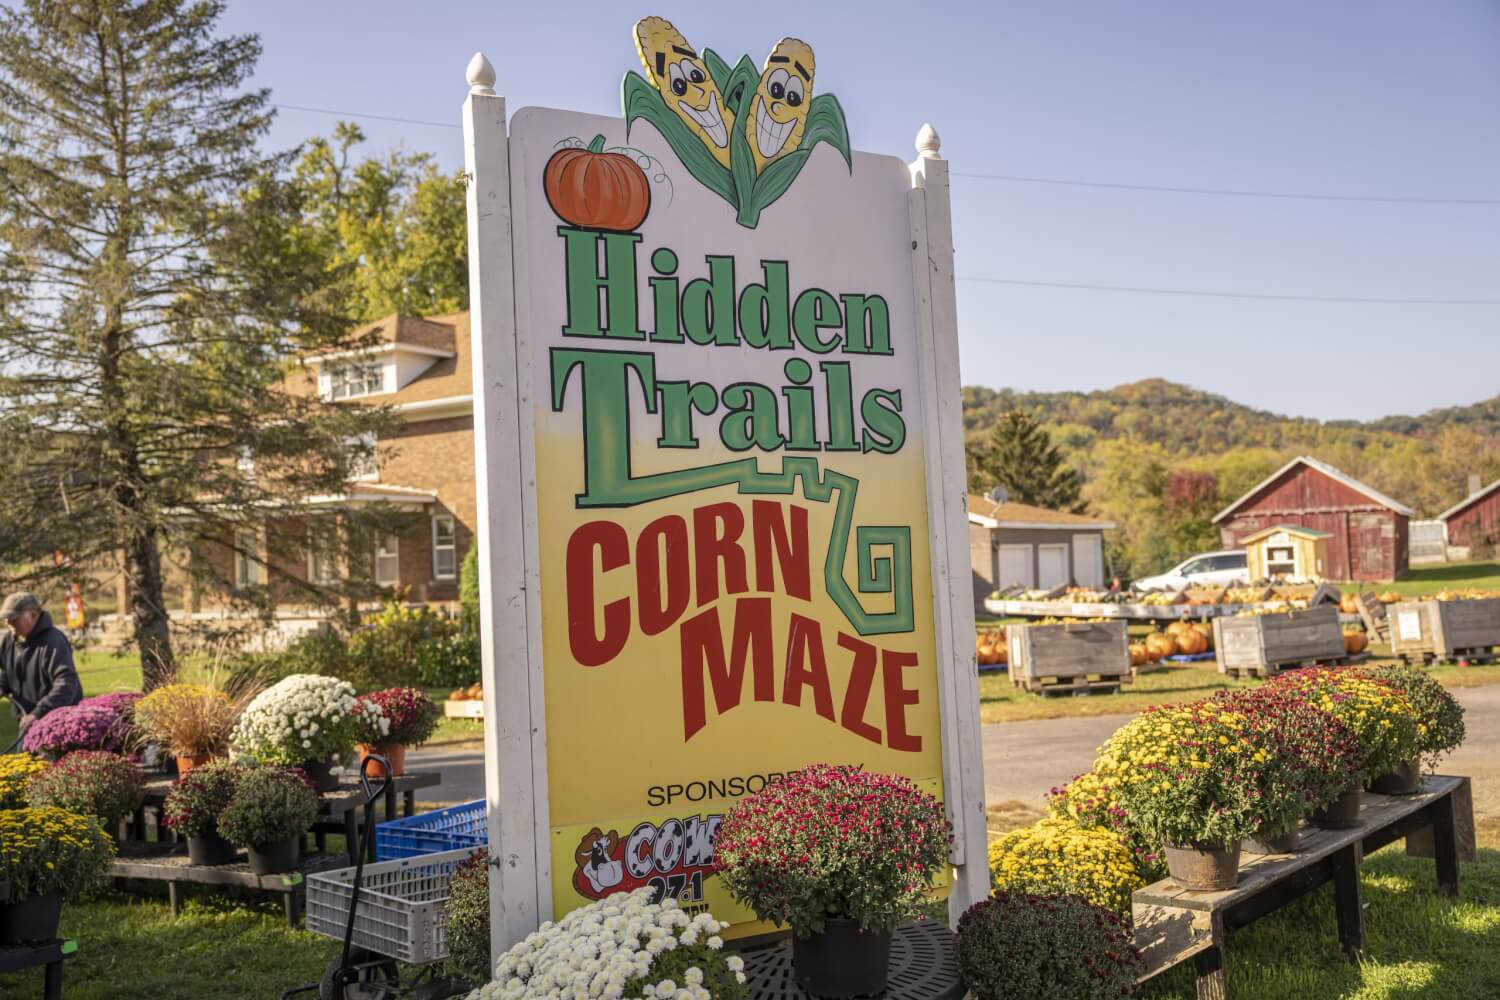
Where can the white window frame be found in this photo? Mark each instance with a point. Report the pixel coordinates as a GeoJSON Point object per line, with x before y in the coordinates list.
{"type": "Point", "coordinates": [365, 471]}
{"type": "Point", "coordinates": [451, 548]}
{"type": "Point", "coordinates": [353, 379]}
{"type": "Point", "coordinates": [387, 556]}
{"type": "Point", "coordinates": [322, 554]}
{"type": "Point", "coordinates": [246, 565]}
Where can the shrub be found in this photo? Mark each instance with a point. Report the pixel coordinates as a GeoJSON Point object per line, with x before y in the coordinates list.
{"type": "Point", "coordinates": [450, 661]}
{"type": "Point", "coordinates": [15, 770]}
{"type": "Point", "coordinates": [187, 719]}
{"type": "Point", "coordinates": [402, 715]}
{"type": "Point", "coordinates": [269, 805]}
{"type": "Point", "coordinates": [1440, 726]}
{"type": "Point", "coordinates": [1057, 857]}
{"type": "Point", "coordinates": [46, 850]}
{"type": "Point", "coordinates": [833, 841]}
{"type": "Point", "coordinates": [91, 783]}
{"type": "Point", "coordinates": [101, 723]}
{"type": "Point", "coordinates": [669, 955]}
{"type": "Point", "coordinates": [469, 920]}
{"type": "Point", "coordinates": [198, 798]}
{"type": "Point", "coordinates": [385, 652]}
{"type": "Point", "coordinates": [1383, 721]}
{"type": "Point", "coordinates": [468, 589]}
{"type": "Point", "coordinates": [1016, 946]}
{"type": "Point", "coordinates": [1196, 774]}
{"type": "Point", "coordinates": [304, 717]}
{"type": "Point", "coordinates": [1091, 801]}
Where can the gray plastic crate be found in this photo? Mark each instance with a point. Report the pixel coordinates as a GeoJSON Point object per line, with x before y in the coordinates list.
{"type": "Point", "coordinates": [403, 905]}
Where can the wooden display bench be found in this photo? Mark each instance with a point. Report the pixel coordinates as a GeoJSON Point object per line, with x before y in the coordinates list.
{"type": "Point", "coordinates": [1173, 925]}
{"type": "Point", "coordinates": [162, 862]}
{"type": "Point", "coordinates": [14, 958]}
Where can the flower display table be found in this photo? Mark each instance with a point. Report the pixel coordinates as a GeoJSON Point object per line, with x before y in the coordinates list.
{"type": "Point", "coordinates": [923, 967]}
{"type": "Point", "coordinates": [1173, 925]}
{"type": "Point", "coordinates": [14, 958]}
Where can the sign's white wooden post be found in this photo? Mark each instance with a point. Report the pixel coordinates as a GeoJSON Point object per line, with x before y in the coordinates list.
{"type": "Point", "coordinates": [947, 515]}
{"type": "Point", "coordinates": [514, 736]}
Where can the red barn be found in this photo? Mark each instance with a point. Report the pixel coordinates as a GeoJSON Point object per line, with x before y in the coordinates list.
{"type": "Point", "coordinates": [1369, 531]}
{"type": "Point", "coordinates": [1473, 523]}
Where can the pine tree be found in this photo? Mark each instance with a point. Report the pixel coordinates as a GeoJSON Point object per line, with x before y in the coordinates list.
{"type": "Point", "coordinates": [153, 298]}
{"type": "Point", "coordinates": [1021, 457]}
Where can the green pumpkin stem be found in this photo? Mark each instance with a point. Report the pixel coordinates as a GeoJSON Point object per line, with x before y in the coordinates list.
{"type": "Point", "coordinates": [597, 146]}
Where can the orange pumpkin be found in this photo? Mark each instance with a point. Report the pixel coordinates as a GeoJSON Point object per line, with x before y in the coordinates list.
{"type": "Point", "coordinates": [1190, 642]}
{"type": "Point", "coordinates": [597, 190]}
{"type": "Point", "coordinates": [1160, 645]}
{"type": "Point", "coordinates": [1347, 605]}
{"type": "Point", "coordinates": [1137, 654]}
{"type": "Point", "coordinates": [1355, 641]}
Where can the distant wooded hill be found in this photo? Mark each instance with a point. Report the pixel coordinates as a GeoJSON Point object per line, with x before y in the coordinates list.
{"type": "Point", "coordinates": [1130, 442]}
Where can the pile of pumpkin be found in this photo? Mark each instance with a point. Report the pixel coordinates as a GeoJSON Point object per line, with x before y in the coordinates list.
{"type": "Point", "coordinates": [474, 692]}
{"type": "Point", "coordinates": [1180, 639]}
{"type": "Point", "coordinates": [991, 648]}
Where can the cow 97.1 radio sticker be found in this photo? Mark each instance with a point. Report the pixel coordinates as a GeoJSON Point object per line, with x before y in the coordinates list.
{"type": "Point", "coordinates": [673, 857]}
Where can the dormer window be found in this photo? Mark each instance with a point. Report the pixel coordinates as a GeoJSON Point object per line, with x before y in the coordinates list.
{"type": "Point", "coordinates": [354, 378]}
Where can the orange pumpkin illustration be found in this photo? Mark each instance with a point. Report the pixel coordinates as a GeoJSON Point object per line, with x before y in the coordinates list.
{"type": "Point", "coordinates": [593, 189]}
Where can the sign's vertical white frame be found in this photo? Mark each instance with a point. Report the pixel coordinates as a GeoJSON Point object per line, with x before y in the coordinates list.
{"type": "Point", "coordinates": [947, 519]}
{"type": "Point", "coordinates": [509, 557]}
{"type": "Point", "coordinates": [515, 757]}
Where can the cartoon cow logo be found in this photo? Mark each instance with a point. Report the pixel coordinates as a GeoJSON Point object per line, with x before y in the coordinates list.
{"type": "Point", "coordinates": [599, 862]}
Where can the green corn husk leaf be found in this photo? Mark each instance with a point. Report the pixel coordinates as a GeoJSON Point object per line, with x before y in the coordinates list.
{"type": "Point", "coordinates": [639, 99]}
{"type": "Point", "coordinates": [718, 70]}
{"type": "Point", "coordinates": [825, 123]}
{"type": "Point", "coordinates": [742, 82]}
{"type": "Point", "coordinates": [740, 86]}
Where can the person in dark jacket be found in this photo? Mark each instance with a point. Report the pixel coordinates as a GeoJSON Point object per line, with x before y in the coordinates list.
{"type": "Point", "coordinates": [36, 662]}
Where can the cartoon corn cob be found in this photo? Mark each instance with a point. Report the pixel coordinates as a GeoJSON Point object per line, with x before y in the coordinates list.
{"type": "Point", "coordinates": [681, 77]}
{"type": "Point", "coordinates": [778, 110]}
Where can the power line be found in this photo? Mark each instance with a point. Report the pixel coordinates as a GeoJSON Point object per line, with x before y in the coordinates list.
{"type": "Point", "coordinates": [1229, 192]}
{"type": "Point", "coordinates": [361, 114]}
{"type": "Point", "coordinates": [1232, 295]}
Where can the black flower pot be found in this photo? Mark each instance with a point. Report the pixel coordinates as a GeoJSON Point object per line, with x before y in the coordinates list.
{"type": "Point", "coordinates": [211, 849]}
{"type": "Point", "coordinates": [843, 961]}
{"type": "Point", "coordinates": [1406, 779]}
{"type": "Point", "coordinates": [32, 919]}
{"type": "Point", "coordinates": [321, 774]}
{"type": "Point", "coordinates": [277, 856]}
{"type": "Point", "coordinates": [1340, 814]}
{"type": "Point", "coordinates": [1281, 843]}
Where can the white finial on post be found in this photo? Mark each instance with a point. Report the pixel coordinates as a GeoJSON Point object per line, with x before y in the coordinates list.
{"type": "Point", "coordinates": [928, 143]}
{"type": "Point", "coordinates": [481, 75]}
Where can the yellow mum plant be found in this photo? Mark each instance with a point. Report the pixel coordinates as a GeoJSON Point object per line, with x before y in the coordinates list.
{"type": "Point", "coordinates": [49, 850]}
{"type": "Point", "coordinates": [15, 768]}
{"type": "Point", "coordinates": [1056, 856]}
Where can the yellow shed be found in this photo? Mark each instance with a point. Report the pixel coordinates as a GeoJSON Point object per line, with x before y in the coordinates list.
{"type": "Point", "coordinates": [1289, 552]}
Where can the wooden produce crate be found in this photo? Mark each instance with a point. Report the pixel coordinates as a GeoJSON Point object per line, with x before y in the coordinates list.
{"type": "Point", "coordinates": [467, 709]}
{"type": "Point", "coordinates": [1263, 645]}
{"type": "Point", "coordinates": [1444, 630]}
{"type": "Point", "coordinates": [1069, 658]}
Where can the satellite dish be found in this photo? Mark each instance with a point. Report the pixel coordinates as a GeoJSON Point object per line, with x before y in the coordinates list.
{"type": "Point", "coordinates": [999, 494]}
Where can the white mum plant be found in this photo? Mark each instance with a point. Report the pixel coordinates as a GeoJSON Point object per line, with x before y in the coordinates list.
{"type": "Point", "coordinates": [304, 717]}
{"type": "Point", "coordinates": [621, 948]}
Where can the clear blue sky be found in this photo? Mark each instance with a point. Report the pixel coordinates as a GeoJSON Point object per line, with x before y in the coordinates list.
{"type": "Point", "coordinates": [1358, 97]}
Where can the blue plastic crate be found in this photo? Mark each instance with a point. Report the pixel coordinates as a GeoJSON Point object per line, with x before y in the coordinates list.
{"type": "Point", "coordinates": [449, 829]}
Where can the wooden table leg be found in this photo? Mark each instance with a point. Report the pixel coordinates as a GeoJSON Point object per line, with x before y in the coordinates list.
{"type": "Point", "coordinates": [1445, 845]}
{"type": "Point", "coordinates": [1208, 965]}
{"type": "Point", "coordinates": [52, 987]}
{"type": "Point", "coordinates": [1348, 900]}
{"type": "Point", "coordinates": [292, 903]}
{"type": "Point", "coordinates": [174, 897]}
{"type": "Point", "coordinates": [321, 839]}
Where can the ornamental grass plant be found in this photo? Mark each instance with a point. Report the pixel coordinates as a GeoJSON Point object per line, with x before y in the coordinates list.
{"type": "Point", "coordinates": [1058, 857]}
{"type": "Point", "coordinates": [46, 850]}
{"type": "Point", "coordinates": [1021, 946]}
{"type": "Point", "coordinates": [15, 770]}
{"type": "Point", "coordinates": [833, 842]}
{"type": "Point", "coordinates": [187, 719]}
{"type": "Point", "coordinates": [1197, 775]}
{"type": "Point", "coordinates": [1384, 722]}
{"type": "Point", "coordinates": [269, 805]}
{"type": "Point", "coordinates": [405, 715]}
{"type": "Point", "coordinates": [304, 717]}
{"type": "Point", "coordinates": [621, 947]}
{"type": "Point", "coordinates": [196, 801]}
{"type": "Point", "coordinates": [92, 783]}
{"type": "Point", "coordinates": [1440, 726]}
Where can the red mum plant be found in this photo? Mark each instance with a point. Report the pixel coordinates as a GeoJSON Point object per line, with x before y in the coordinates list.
{"type": "Point", "coordinates": [411, 715]}
{"type": "Point", "coordinates": [92, 783]}
{"type": "Point", "coordinates": [834, 842]}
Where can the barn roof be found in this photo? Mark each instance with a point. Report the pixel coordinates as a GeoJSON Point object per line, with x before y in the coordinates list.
{"type": "Point", "coordinates": [1290, 529]}
{"type": "Point", "coordinates": [1011, 514]}
{"type": "Point", "coordinates": [1327, 470]}
{"type": "Point", "coordinates": [1469, 501]}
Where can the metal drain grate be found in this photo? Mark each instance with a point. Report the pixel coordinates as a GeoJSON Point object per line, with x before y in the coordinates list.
{"type": "Point", "coordinates": [923, 967]}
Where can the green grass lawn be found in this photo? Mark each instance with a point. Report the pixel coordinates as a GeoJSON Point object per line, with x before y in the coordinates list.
{"type": "Point", "coordinates": [1423, 580]}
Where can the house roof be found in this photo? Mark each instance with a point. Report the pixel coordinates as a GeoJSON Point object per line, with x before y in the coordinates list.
{"type": "Point", "coordinates": [1469, 501]}
{"type": "Point", "coordinates": [1327, 470]}
{"type": "Point", "coordinates": [1290, 529]}
{"type": "Point", "coordinates": [448, 378]}
{"type": "Point", "coordinates": [1011, 514]}
{"type": "Point", "coordinates": [367, 492]}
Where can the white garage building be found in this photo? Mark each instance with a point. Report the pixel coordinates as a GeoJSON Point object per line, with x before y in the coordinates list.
{"type": "Point", "coordinates": [1014, 543]}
